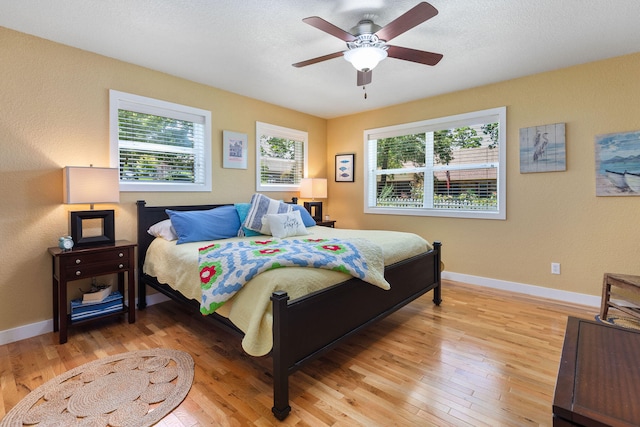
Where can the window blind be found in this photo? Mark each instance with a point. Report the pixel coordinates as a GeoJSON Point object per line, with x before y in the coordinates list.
{"type": "Point", "coordinates": [160, 146]}
{"type": "Point", "coordinates": [437, 167]}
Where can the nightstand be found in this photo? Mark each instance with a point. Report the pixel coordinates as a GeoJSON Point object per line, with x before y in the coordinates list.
{"type": "Point", "coordinates": [82, 263]}
{"type": "Point", "coordinates": [330, 223]}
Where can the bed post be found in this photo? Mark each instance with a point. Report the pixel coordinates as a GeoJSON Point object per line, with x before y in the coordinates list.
{"type": "Point", "coordinates": [142, 293]}
{"type": "Point", "coordinates": [437, 291]}
{"type": "Point", "coordinates": [281, 406]}
{"type": "Point", "coordinates": [142, 288]}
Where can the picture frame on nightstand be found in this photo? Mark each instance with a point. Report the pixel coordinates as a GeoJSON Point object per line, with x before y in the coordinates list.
{"type": "Point", "coordinates": [89, 228]}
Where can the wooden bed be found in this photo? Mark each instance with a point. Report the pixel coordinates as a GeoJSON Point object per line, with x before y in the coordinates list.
{"type": "Point", "coordinates": [307, 327]}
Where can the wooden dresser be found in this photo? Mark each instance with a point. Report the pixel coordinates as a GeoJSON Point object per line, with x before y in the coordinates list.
{"type": "Point", "coordinates": [599, 376]}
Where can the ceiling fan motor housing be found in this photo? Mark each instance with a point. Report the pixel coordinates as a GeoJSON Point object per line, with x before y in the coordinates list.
{"type": "Point", "coordinates": [365, 36]}
{"type": "Point", "coordinates": [366, 26]}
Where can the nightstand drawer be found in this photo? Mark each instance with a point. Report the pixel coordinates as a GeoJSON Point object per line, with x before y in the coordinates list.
{"type": "Point", "coordinates": [85, 269]}
{"type": "Point", "coordinates": [83, 259]}
{"type": "Point", "coordinates": [328, 223]}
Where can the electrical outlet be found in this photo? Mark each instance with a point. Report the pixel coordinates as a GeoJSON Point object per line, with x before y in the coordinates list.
{"type": "Point", "coordinates": [555, 268]}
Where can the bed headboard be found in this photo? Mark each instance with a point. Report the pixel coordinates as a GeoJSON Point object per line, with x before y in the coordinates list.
{"type": "Point", "coordinates": [149, 215]}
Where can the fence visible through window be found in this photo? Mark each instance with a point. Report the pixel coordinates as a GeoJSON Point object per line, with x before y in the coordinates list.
{"type": "Point", "coordinates": [440, 202]}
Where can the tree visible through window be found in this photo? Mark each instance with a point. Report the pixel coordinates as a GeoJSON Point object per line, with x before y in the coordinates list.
{"type": "Point", "coordinates": [160, 146]}
{"type": "Point", "coordinates": [445, 167]}
{"type": "Point", "coordinates": [282, 157]}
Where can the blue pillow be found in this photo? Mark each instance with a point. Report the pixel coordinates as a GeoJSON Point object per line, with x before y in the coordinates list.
{"type": "Point", "coordinates": [212, 224]}
{"type": "Point", "coordinates": [243, 211]}
{"type": "Point", "coordinates": [305, 215]}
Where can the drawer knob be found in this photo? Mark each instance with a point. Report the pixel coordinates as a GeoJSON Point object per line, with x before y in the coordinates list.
{"type": "Point", "coordinates": [78, 261]}
{"type": "Point", "coordinates": [120, 254]}
{"type": "Point", "coordinates": [78, 273]}
{"type": "Point", "coordinates": [121, 265]}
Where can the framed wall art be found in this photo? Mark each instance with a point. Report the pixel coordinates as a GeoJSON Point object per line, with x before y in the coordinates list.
{"type": "Point", "coordinates": [618, 164]}
{"type": "Point", "coordinates": [345, 167]}
{"type": "Point", "coordinates": [234, 150]}
{"type": "Point", "coordinates": [543, 148]}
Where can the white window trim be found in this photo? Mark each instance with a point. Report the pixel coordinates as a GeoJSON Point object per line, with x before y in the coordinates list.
{"type": "Point", "coordinates": [280, 132]}
{"type": "Point", "coordinates": [434, 125]}
{"type": "Point", "coordinates": [122, 100]}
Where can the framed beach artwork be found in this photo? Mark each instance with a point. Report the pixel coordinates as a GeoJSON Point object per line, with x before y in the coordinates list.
{"type": "Point", "coordinates": [345, 168]}
{"type": "Point", "coordinates": [234, 150]}
{"type": "Point", "coordinates": [543, 148]}
{"type": "Point", "coordinates": [618, 164]}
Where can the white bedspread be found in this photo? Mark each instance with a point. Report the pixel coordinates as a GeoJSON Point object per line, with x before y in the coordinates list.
{"type": "Point", "coordinates": [250, 309]}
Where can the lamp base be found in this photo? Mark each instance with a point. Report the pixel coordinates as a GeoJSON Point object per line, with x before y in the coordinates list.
{"type": "Point", "coordinates": [315, 209]}
{"type": "Point", "coordinates": [92, 228]}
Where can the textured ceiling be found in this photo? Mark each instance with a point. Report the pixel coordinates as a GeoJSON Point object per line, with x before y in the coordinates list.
{"type": "Point", "coordinates": [248, 46]}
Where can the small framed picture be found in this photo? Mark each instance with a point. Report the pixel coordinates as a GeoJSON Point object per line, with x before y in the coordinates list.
{"type": "Point", "coordinates": [345, 167]}
{"type": "Point", "coordinates": [234, 150]}
{"type": "Point", "coordinates": [92, 227]}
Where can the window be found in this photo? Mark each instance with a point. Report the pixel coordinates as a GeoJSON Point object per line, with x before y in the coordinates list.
{"type": "Point", "coordinates": [452, 166]}
{"type": "Point", "coordinates": [158, 145]}
{"type": "Point", "coordinates": [281, 155]}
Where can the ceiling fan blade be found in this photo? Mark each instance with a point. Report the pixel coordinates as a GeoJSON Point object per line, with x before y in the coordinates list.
{"type": "Point", "coordinates": [327, 27]}
{"type": "Point", "coordinates": [364, 77]}
{"type": "Point", "coordinates": [407, 21]}
{"type": "Point", "coordinates": [318, 59]}
{"type": "Point", "coordinates": [413, 55]}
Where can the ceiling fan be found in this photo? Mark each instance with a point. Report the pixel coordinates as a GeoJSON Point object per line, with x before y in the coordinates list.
{"type": "Point", "coordinates": [367, 42]}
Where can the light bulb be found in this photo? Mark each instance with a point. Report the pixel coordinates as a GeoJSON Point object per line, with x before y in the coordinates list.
{"type": "Point", "coordinates": [365, 58]}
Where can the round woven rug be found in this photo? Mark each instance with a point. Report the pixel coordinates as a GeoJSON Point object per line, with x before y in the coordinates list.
{"type": "Point", "coordinates": [626, 322]}
{"type": "Point", "coordinates": [130, 389]}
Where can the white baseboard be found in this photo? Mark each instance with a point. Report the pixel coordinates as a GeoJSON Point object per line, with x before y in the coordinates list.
{"type": "Point", "coordinates": [537, 291]}
{"type": "Point", "coordinates": [26, 331]}
{"type": "Point", "coordinates": [46, 326]}
{"type": "Point", "coordinates": [157, 298]}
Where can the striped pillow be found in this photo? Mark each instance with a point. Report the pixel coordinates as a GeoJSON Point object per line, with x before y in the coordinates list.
{"type": "Point", "coordinates": [261, 206]}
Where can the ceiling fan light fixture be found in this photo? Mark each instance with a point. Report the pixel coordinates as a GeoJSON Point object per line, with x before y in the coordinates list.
{"type": "Point", "coordinates": [365, 58]}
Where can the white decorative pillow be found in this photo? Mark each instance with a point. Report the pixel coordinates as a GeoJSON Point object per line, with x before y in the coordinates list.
{"type": "Point", "coordinates": [286, 225]}
{"type": "Point", "coordinates": [163, 229]}
{"type": "Point", "coordinates": [261, 206]}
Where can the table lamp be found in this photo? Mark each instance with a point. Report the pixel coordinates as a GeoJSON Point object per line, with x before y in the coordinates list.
{"type": "Point", "coordinates": [89, 185]}
{"type": "Point", "coordinates": [312, 188]}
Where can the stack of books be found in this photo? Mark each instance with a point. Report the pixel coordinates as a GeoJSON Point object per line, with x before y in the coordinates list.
{"type": "Point", "coordinates": [96, 294]}
{"type": "Point", "coordinates": [81, 310]}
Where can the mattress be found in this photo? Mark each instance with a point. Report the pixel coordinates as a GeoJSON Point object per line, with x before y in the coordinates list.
{"type": "Point", "coordinates": [250, 308]}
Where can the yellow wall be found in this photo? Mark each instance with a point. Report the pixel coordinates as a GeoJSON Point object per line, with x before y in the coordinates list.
{"type": "Point", "coordinates": [551, 217]}
{"type": "Point", "coordinates": [54, 113]}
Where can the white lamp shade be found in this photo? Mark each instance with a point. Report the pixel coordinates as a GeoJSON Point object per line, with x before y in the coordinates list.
{"type": "Point", "coordinates": [313, 188]}
{"type": "Point", "coordinates": [365, 58]}
{"type": "Point", "coordinates": [90, 185]}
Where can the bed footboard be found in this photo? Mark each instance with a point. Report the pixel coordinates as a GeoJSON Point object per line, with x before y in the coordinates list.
{"type": "Point", "coordinates": [306, 328]}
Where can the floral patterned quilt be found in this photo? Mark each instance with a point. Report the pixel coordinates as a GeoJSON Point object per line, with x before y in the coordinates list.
{"type": "Point", "coordinates": [224, 267]}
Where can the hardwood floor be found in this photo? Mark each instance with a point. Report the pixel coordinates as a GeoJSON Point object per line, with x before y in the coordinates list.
{"type": "Point", "coordinates": [482, 358]}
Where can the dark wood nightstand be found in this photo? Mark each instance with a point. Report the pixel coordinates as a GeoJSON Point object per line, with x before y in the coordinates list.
{"type": "Point", "coordinates": [82, 263]}
{"type": "Point", "coordinates": [331, 223]}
